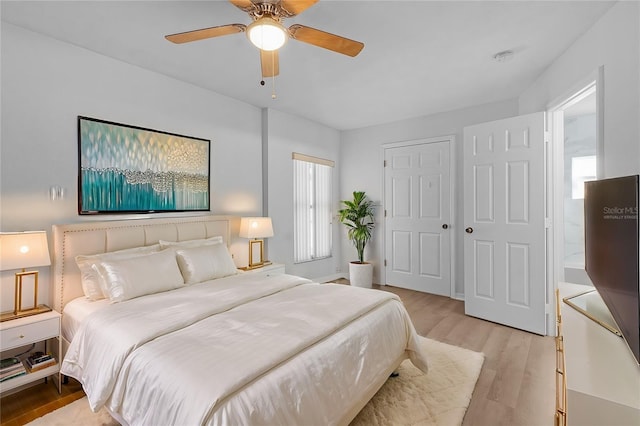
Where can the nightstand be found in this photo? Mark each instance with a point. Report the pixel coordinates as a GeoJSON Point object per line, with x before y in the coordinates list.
{"type": "Point", "coordinates": [267, 271]}
{"type": "Point", "coordinates": [43, 327]}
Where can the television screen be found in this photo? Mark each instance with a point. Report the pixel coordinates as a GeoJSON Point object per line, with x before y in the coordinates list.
{"type": "Point", "coordinates": [612, 256]}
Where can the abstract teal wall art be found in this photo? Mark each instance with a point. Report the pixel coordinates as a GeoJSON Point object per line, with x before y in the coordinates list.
{"type": "Point", "coordinates": [129, 169]}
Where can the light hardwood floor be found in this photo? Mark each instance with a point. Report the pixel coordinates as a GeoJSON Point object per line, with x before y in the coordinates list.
{"type": "Point", "coordinates": [517, 381]}
{"type": "Point", "coordinates": [516, 385]}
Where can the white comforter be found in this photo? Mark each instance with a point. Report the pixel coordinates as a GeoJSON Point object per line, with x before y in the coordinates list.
{"type": "Point", "coordinates": [280, 350]}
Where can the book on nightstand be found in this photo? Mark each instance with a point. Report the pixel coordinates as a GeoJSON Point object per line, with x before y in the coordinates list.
{"type": "Point", "coordinates": [39, 360]}
{"type": "Point", "coordinates": [8, 363]}
{"type": "Point", "coordinates": [10, 368]}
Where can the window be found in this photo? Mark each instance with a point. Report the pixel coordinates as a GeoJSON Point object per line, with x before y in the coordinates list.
{"type": "Point", "coordinates": [582, 170]}
{"type": "Point", "coordinates": [312, 183]}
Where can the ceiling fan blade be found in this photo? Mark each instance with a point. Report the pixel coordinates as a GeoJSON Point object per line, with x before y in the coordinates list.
{"type": "Point", "coordinates": [295, 7]}
{"type": "Point", "coordinates": [206, 33]}
{"type": "Point", "coordinates": [269, 62]}
{"type": "Point", "coordinates": [325, 40]}
{"type": "Point", "coordinates": [245, 5]}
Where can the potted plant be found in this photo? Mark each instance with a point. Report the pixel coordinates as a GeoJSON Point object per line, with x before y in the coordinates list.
{"type": "Point", "coordinates": [357, 216]}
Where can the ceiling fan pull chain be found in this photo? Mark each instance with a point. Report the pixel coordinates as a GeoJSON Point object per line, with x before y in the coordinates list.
{"type": "Point", "coordinates": [273, 77]}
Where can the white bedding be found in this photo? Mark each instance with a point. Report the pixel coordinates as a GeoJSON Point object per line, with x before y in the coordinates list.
{"type": "Point", "coordinates": [237, 350]}
{"type": "Point", "coordinates": [76, 311]}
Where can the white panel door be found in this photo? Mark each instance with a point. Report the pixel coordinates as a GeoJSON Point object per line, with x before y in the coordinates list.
{"type": "Point", "coordinates": [504, 242]}
{"type": "Point", "coordinates": [417, 209]}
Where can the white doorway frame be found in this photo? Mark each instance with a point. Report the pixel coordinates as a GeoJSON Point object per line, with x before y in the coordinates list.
{"type": "Point", "coordinates": [452, 203]}
{"type": "Point", "coordinates": [555, 174]}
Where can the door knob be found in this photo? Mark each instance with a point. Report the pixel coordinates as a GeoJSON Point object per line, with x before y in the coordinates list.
{"type": "Point", "coordinates": [445, 226]}
{"type": "Point", "coordinates": [469, 230]}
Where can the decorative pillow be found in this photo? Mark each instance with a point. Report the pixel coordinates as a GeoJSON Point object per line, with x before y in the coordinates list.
{"type": "Point", "coordinates": [204, 263]}
{"type": "Point", "coordinates": [191, 243]}
{"type": "Point", "coordinates": [89, 276]}
{"type": "Point", "coordinates": [128, 278]}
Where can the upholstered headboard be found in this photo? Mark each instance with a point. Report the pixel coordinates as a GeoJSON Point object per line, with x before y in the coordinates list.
{"type": "Point", "coordinates": [100, 237]}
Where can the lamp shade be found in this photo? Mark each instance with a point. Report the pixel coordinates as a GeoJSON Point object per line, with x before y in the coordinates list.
{"type": "Point", "coordinates": [256, 227]}
{"type": "Point", "coordinates": [23, 250]}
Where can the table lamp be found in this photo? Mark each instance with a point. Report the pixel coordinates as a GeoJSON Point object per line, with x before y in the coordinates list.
{"type": "Point", "coordinates": [21, 250]}
{"type": "Point", "coordinates": [256, 228]}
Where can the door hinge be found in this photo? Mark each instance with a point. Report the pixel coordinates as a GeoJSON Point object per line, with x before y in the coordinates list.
{"type": "Point", "coordinates": [547, 222]}
{"type": "Point", "coordinates": [385, 212]}
{"type": "Point", "coordinates": [385, 263]}
{"type": "Point", "coordinates": [384, 163]}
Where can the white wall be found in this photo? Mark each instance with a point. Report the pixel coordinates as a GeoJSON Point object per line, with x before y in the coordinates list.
{"type": "Point", "coordinates": [613, 42]}
{"type": "Point", "coordinates": [361, 168]}
{"type": "Point", "coordinates": [46, 84]}
{"type": "Point", "coordinates": [287, 134]}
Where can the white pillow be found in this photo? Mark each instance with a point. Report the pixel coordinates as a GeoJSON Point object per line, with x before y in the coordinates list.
{"type": "Point", "coordinates": [190, 243]}
{"type": "Point", "coordinates": [128, 278]}
{"type": "Point", "coordinates": [204, 263]}
{"type": "Point", "coordinates": [89, 277]}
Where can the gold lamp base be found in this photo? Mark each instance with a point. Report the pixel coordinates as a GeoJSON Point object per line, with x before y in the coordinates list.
{"type": "Point", "coordinates": [248, 268]}
{"type": "Point", "coordinates": [256, 255]}
{"type": "Point", "coordinates": [11, 315]}
{"type": "Point", "coordinates": [18, 312]}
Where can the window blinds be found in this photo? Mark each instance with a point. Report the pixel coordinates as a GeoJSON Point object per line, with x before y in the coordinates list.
{"type": "Point", "coordinates": [312, 183]}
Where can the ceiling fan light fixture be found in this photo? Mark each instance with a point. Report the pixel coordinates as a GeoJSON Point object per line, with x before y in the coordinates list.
{"type": "Point", "coordinates": [267, 33]}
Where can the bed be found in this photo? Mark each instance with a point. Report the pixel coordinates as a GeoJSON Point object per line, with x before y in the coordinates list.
{"type": "Point", "coordinates": [224, 347]}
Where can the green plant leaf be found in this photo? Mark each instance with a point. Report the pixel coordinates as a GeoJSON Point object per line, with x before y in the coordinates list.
{"type": "Point", "coordinates": [358, 216]}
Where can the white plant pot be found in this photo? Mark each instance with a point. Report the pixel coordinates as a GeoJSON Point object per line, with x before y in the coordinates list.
{"type": "Point", "coordinates": [361, 274]}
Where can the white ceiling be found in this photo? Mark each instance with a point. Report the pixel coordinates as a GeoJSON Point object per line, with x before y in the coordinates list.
{"type": "Point", "coordinates": [420, 57]}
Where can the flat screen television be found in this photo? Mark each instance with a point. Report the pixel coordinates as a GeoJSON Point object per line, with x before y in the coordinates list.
{"type": "Point", "coordinates": [612, 254]}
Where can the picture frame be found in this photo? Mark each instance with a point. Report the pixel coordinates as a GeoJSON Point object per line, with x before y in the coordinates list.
{"type": "Point", "coordinates": [130, 169]}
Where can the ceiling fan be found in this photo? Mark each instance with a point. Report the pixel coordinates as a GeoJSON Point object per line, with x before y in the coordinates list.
{"type": "Point", "coordinates": [268, 34]}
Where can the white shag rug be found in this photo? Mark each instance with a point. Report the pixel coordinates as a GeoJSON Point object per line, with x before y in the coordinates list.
{"type": "Point", "coordinates": [440, 397]}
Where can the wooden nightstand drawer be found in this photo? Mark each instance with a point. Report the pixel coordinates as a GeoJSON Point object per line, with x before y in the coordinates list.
{"type": "Point", "coordinates": [12, 337]}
